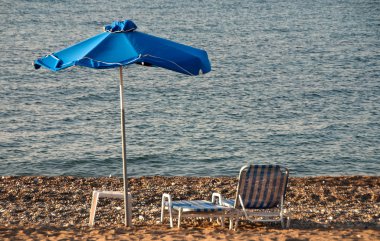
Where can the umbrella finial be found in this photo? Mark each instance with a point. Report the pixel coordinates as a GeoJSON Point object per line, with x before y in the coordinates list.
{"type": "Point", "coordinates": [121, 26]}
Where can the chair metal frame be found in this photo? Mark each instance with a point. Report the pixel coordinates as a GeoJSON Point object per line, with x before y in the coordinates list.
{"type": "Point", "coordinates": [274, 214]}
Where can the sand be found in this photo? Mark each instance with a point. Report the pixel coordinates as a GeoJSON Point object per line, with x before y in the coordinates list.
{"type": "Point", "coordinates": [57, 208]}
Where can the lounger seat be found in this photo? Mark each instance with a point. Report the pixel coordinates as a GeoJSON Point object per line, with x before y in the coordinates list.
{"type": "Point", "coordinates": [196, 206]}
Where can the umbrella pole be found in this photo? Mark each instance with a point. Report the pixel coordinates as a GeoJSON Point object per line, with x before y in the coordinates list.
{"type": "Point", "coordinates": [127, 211]}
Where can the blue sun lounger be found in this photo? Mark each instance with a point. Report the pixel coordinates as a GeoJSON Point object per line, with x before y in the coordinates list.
{"type": "Point", "coordinates": [192, 208]}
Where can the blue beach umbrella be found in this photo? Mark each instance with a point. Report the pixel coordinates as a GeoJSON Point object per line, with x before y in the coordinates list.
{"type": "Point", "coordinates": [120, 44]}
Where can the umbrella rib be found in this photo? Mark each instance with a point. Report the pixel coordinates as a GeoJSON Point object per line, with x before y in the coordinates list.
{"type": "Point", "coordinates": [115, 63]}
{"type": "Point", "coordinates": [133, 60]}
{"type": "Point", "coordinates": [179, 66]}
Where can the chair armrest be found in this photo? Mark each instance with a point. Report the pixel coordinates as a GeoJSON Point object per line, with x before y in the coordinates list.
{"type": "Point", "coordinates": [217, 195]}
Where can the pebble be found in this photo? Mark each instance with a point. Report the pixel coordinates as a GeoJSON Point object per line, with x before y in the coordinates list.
{"type": "Point", "coordinates": [64, 201]}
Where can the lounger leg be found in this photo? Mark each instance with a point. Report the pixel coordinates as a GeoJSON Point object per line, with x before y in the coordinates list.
{"type": "Point", "coordinates": [179, 217]}
{"type": "Point", "coordinates": [162, 209]}
{"type": "Point", "coordinates": [94, 204]}
{"type": "Point", "coordinates": [168, 198]}
{"type": "Point", "coordinates": [171, 217]}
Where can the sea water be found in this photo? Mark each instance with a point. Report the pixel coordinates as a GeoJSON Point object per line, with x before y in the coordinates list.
{"type": "Point", "coordinates": [295, 83]}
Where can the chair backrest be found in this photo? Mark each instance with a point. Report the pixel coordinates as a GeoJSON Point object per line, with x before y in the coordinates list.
{"type": "Point", "coordinates": [261, 186]}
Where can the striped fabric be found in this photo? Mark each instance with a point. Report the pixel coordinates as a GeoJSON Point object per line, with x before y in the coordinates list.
{"type": "Point", "coordinates": [229, 203]}
{"type": "Point", "coordinates": [261, 186]}
{"type": "Point", "coordinates": [196, 206]}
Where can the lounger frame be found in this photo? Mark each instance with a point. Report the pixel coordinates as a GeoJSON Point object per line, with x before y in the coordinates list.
{"type": "Point", "coordinates": [183, 209]}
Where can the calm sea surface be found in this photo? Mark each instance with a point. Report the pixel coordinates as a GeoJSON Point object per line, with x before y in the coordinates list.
{"type": "Point", "coordinates": [293, 82]}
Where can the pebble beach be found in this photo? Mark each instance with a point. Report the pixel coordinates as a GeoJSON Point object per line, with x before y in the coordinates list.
{"type": "Point", "coordinates": [57, 208]}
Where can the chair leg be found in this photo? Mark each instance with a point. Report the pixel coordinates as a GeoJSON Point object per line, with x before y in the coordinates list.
{"type": "Point", "coordinates": [94, 204]}
{"type": "Point", "coordinates": [236, 223]}
{"type": "Point", "coordinates": [287, 222]}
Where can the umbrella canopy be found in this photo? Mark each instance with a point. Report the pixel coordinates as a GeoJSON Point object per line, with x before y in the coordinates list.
{"type": "Point", "coordinates": [120, 44]}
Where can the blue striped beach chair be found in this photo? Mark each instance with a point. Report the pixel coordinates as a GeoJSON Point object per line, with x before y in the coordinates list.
{"type": "Point", "coordinates": [192, 208]}
{"type": "Point", "coordinates": [260, 194]}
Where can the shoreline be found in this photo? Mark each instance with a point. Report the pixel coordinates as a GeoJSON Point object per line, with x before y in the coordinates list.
{"type": "Point", "coordinates": [321, 205]}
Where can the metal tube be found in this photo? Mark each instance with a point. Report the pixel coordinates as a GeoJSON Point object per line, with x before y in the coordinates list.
{"type": "Point", "coordinates": [127, 212]}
